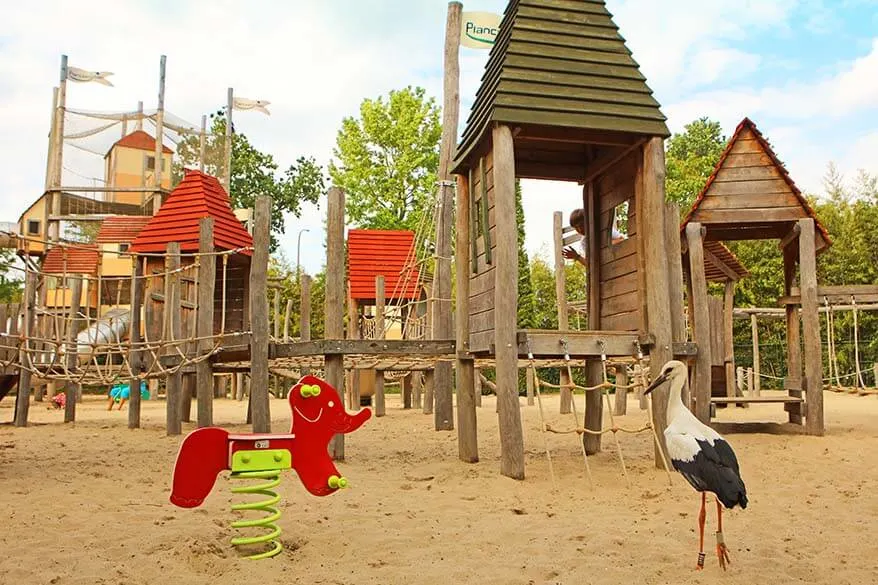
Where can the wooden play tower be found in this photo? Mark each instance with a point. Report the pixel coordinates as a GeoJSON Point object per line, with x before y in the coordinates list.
{"type": "Point", "coordinates": [562, 98]}
{"type": "Point", "coordinates": [750, 196]}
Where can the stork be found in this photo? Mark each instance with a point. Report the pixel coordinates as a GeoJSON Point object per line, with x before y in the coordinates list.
{"type": "Point", "coordinates": [702, 456]}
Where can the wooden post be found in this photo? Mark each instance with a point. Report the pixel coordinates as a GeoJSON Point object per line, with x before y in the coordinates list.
{"type": "Point", "coordinates": [417, 390]}
{"type": "Point", "coordinates": [506, 306]}
{"type": "Point", "coordinates": [641, 397]}
{"type": "Point", "coordinates": [443, 328]}
{"type": "Point", "coordinates": [22, 400]}
{"type": "Point", "coordinates": [70, 355]}
{"type": "Point", "coordinates": [467, 432]}
{"type": "Point", "coordinates": [189, 385]}
{"type": "Point", "coordinates": [380, 406]}
{"type": "Point", "coordinates": [276, 313]}
{"type": "Point", "coordinates": [620, 407]}
{"type": "Point", "coordinates": [477, 383]}
{"type": "Point", "coordinates": [594, 374]}
{"type": "Point", "coordinates": [159, 140]}
{"type": "Point", "coordinates": [428, 399]}
{"type": "Point", "coordinates": [354, 333]}
{"type": "Point", "coordinates": [53, 228]}
{"type": "Point", "coordinates": [259, 403]}
{"type": "Point", "coordinates": [174, 398]}
{"type": "Point", "coordinates": [651, 186]}
{"type": "Point", "coordinates": [700, 319]}
{"type": "Point", "coordinates": [135, 355]}
{"type": "Point", "coordinates": [793, 382]}
{"type": "Point", "coordinates": [206, 286]}
{"type": "Point", "coordinates": [739, 379]}
{"type": "Point", "coordinates": [729, 336]}
{"type": "Point", "coordinates": [335, 291]}
{"type": "Point", "coordinates": [529, 384]}
{"type": "Point", "coordinates": [405, 390]}
{"type": "Point", "coordinates": [287, 313]}
{"type": "Point", "coordinates": [561, 299]}
{"type": "Point", "coordinates": [754, 332]}
{"type": "Point", "coordinates": [811, 328]}
{"type": "Point", "coordinates": [750, 385]}
{"type": "Point", "coordinates": [675, 271]}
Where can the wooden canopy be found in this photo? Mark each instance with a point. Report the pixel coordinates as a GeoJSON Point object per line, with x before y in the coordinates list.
{"type": "Point", "coordinates": [750, 195]}
{"type": "Point", "coordinates": [561, 76]}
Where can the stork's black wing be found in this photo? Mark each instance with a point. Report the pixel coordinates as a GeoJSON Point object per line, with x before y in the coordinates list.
{"type": "Point", "coordinates": [714, 468]}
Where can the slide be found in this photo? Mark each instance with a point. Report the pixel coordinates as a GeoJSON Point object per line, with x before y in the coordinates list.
{"type": "Point", "coordinates": [110, 328]}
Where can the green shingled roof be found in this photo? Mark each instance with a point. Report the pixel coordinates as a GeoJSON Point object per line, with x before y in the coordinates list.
{"type": "Point", "coordinates": [561, 63]}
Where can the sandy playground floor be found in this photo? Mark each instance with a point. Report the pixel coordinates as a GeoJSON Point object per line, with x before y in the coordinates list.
{"type": "Point", "coordinates": [88, 505]}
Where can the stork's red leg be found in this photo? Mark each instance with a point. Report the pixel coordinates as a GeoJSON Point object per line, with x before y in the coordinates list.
{"type": "Point", "coordinates": [702, 516]}
{"type": "Point", "coordinates": [721, 551]}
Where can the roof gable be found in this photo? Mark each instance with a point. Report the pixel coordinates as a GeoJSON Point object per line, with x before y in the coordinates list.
{"type": "Point", "coordinates": [139, 140]}
{"type": "Point", "coordinates": [750, 193]}
{"type": "Point", "coordinates": [76, 259]}
{"type": "Point", "coordinates": [561, 63]}
{"type": "Point", "coordinates": [198, 195]}
{"type": "Point", "coordinates": [121, 229]}
{"type": "Point", "coordinates": [390, 253]}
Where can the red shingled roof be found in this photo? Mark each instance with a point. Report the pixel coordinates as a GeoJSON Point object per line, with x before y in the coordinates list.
{"type": "Point", "coordinates": [197, 196]}
{"type": "Point", "coordinates": [81, 259]}
{"type": "Point", "coordinates": [747, 124]}
{"type": "Point", "coordinates": [141, 141]}
{"type": "Point", "coordinates": [121, 229]}
{"type": "Point", "coordinates": [382, 252]}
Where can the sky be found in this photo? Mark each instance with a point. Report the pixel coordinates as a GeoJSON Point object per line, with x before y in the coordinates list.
{"type": "Point", "coordinates": [806, 71]}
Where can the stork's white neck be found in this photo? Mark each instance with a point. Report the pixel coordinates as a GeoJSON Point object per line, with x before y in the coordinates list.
{"type": "Point", "coordinates": [675, 398]}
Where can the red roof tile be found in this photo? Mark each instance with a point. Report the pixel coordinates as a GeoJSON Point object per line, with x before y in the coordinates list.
{"type": "Point", "coordinates": [121, 229]}
{"type": "Point", "coordinates": [197, 196]}
{"type": "Point", "coordinates": [382, 252]}
{"type": "Point", "coordinates": [78, 259]}
{"type": "Point", "coordinates": [141, 141]}
{"type": "Point", "coordinates": [747, 124]}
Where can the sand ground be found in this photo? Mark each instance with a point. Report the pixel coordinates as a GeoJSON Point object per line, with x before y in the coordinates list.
{"type": "Point", "coordinates": [87, 504]}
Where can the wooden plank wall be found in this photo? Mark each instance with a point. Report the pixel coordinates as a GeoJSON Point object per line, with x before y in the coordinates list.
{"type": "Point", "coordinates": [749, 188]}
{"type": "Point", "coordinates": [620, 290]}
{"type": "Point", "coordinates": [481, 305]}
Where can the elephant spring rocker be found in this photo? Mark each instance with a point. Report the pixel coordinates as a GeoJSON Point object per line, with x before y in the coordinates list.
{"type": "Point", "coordinates": [318, 414]}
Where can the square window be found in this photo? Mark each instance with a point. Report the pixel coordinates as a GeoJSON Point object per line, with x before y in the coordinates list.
{"type": "Point", "coordinates": [33, 227]}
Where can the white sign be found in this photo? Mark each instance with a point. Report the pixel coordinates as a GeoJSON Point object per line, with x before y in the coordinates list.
{"type": "Point", "coordinates": [478, 30]}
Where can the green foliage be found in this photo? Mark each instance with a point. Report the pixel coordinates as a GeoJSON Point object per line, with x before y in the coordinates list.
{"type": "Point", "coordinates": [388, 160]}
{"type": "Point", "coordinates": [526, 304]}
{"type": "Point", "coordinates": [690, 159]}
{"type": "Point", "coordinates": [254, 173]}
{"type": "Point", "coordinates": [84, 232]}
{"type": "Point", "coordinates": [10, 286]}
{"type": "Point", "coordinates": [282, 272]}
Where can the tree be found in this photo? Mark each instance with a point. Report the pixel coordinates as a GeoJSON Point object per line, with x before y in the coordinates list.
{"type": "Point", "coordinates": [10, 287]}
{"type": "Point", "coordinates": [526, 304]}
{"type": "Point", "coordinates": [254, 173]}
{"type": "Point", "coordinates": [691, 158]}
{"type": "Point", "coordinates": [387, 160]}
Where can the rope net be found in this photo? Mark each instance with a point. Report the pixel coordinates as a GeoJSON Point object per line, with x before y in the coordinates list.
{"type": "Point", "coordinates": [89, 340]}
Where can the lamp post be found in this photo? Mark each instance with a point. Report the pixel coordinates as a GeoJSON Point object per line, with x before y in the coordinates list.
{"type": "Point", "coordinates": [298, 253]}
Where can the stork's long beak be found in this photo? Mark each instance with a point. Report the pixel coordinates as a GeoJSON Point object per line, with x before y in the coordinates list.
{"type": "Point", "coordinates": [656, 383]}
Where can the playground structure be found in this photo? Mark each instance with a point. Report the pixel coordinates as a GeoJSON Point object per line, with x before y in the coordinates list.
{"type": "Point", "coordinates": [197, 291]}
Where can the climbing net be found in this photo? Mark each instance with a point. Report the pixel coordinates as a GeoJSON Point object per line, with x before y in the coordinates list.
{"type": "Point", "coordinates": [77, 325]}
{"type": "Point", "coordinates": [603, 387]}
{"type": "Point", "coordinates": [835, 378]}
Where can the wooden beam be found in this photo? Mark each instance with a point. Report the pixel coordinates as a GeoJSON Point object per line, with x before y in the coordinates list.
{"type": "Point", "coordinates": [259, 341]}
{"type": "Point", "coordinates": [380, 406]}
{"type": "Point", "coordinates": [675, 272]}
{"type": "Point", "coordinates": [387, 347]}
{"type": "Point", "coordinates": [790, 237]}
{"type": "Point", "coordinates": [729, 336]}
{"type": "Point", "coordinates": [594, 405]}
{"type": "Point", "coordinates": [561, 300]}
{"type": "Point", "coordinates": [811, 328]}
{"type": "Point", "coordinates": [506, 306]}
{"type": "Point", "coordinates": [467, 428]}
{"type": "Point", "coordinates": [206, 287]}
{"type": "Point", "coordinates": [605, 162]}
{"type": "Point", "coordinates": [720, 265]}
{"type": "Point", "coordinates": [71, 387]}
{"type": "Point", "coordinates": [754, 333]}
{"type": "Point", "coordinates": [700, 319]}
{"type": "Point", "coordinates": [650, 185]}
{"type": "Point", "coordinates": [174, 390]}
{"type": "Point", "coordinates": [334, 303]}
{"type": "Point", "coordinates": [22, 400]}
{"type": "Point", "coordinates": [552, 134]}
{"type": "Point", "coordinates": [794, 340]}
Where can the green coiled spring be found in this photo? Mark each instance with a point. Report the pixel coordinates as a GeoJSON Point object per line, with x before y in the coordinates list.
{"type": "Point", "coordinates": [270, 538]}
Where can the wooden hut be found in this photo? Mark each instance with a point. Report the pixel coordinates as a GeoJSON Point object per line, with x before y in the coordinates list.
{"type": "Point", "coordinates": [198, 196]}
{"type": "Point", "coordinates": [750, 196]}
{"type": "Point", "coordinates": [562, 98]}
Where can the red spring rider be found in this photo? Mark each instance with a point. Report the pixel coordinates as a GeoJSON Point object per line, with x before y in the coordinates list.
{"type": "Point", "coordinates": [318, 414]}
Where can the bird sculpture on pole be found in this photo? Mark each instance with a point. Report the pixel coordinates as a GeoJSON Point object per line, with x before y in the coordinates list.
{"type": "Point", "coordinates": [702, 456]}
